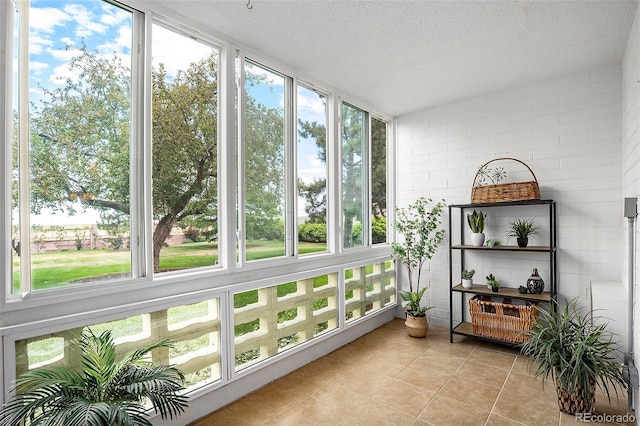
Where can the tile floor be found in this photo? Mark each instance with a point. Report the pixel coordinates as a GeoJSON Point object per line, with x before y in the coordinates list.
{"type": "Point", "coordinates": [388, 378]}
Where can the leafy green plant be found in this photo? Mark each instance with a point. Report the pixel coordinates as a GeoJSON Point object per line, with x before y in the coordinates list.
{"type": "Point", "coordinates": [106, 391]}
{"type": "Point", "coordinates": [467, 275]}
{"type": "Point", "coordinates": [476, 221]}
{"type": "Point", "coordinates": [492, 281]}
{"type": "Point", "coordinates": [411, 301]}
{"type": "Point", "coordinates": [419, 225]}
{"type": "Point", "coordinates": [494, 243]}
{"type": "Point", "coordinates": [522, 228]}
{"type": "Point", "coordinates": [574, 349]}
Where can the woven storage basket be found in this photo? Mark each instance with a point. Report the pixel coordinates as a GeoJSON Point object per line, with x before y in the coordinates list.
{"type": "Point", "coordinates": [505, 192]}
{"type": "Point", "coordinates": [501, 321]}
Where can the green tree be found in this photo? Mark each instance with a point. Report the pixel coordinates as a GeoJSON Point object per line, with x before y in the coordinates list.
{"type": "Point", "coordinates": [185, 144]}
{"type": "Point", "coordinates": [80, 142]}
{"type": "Point", "coordinates": [352, 145]}
{"type": "Point", "coordinates": [79, 138]}
{"type": "Point", "coordinates": [315, 193]}
{"type": "Point", "coordinates": [264, 179]}
{"type": "Point", "coordinates": [379, 169]}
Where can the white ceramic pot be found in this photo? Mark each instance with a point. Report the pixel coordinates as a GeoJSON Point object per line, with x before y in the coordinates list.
{"type": "Point", "coordinates": [467, 283]}
{"type": "Point", "coordinates": [477, 239]}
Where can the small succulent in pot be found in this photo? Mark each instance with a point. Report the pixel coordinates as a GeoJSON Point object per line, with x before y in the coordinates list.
{"type": "Point", "coordinates": [468, 274]}
{"type": "Point", "coordinates": [492, 282]}
{"type": "Point", "coordinates": [522, 289]}
{"type": "Point", "coordinates": [476, 221]}
{"type": "Point", "coordinates": [467, 278]}
{"type": "Point", "coordinates": [494, 243]}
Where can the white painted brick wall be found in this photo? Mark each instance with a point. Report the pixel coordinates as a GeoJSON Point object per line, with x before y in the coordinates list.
{"type": "Point", "coordinates": [568, 130]}
{"type": "Point", "coordinates": [631, 159]}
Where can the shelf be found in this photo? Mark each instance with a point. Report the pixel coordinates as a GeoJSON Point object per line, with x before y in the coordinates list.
{"type": "Point", "coordinates": [466, 329]}
{"type": "Point", "coordinates": [543, 249]}
{"type": "Point", "coordinates": [545, 296]}
{"type": "Point", "coordinates": [508, 203]}
{"type": "Point", "coordinates": [460, 252]}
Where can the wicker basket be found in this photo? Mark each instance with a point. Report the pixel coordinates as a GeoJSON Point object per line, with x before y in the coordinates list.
{"type": "Point", "coordinates": [505, 192]}
{"type": "Point", "coordinates": [501, 321]}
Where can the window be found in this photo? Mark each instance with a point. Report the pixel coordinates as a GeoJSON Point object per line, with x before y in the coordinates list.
{"type": "Point", "coordinates": [185, 152]}
{"type": "Point", "coordinates": [72, 106]}
{"type": "Point", "coordinates": [194, 329]}
{"type": "Point", "coordinates": [116, 171]}
{"type": "Point", "coordinates": [354, 139]}
{"type": "Point", "coordinates": [378, 181]}
{"type": "Point", "coordinates": [293, 312]}
{"type": "Point", "coordinates": [264, 162]}
{"type": "Point", "coordinates": [312, 171]}
{"type": "Point", "coordinates": [368, 289]}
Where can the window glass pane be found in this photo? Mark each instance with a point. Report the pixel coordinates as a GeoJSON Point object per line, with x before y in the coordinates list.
{"type": "Point", "coordinates": [15, 151]}
{"type": "Point", "coordinates": [264, 150]}
{"type": "Point", "coordinates": [79, 141]}
{"type": "Point", "coordinates": [312, 171]}
{"type": "Point", "coordinates": [368, 289]}
{"type": "Point", "coordinates": [378, 181]}
{"type": "Point", "coordinates": [194, 329]}
{"type": "Point", "coordinates": [305, 309]}
{"type": "Point", "coordinates": [353, 143]}
{"type": "Point", "coordinates": [185, 152]}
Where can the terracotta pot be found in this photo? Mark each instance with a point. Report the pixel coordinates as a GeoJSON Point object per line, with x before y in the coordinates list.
{"type": "Point", "coordinates": [416, 326]}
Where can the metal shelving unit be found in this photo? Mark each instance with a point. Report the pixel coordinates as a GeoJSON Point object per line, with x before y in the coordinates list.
{"type": "Point", "coordinates": [464, 327]}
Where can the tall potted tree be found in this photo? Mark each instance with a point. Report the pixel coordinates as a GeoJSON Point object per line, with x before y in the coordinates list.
{"type": "Point", "coordinates": [419, 226]}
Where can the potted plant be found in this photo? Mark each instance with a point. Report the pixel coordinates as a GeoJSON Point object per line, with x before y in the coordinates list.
{"type": "Point", "coordinates": [577, 352]}
{"type": "Point", "coordinates": [522, 229]}
{"type": "Point", "coordinates": [476, 222]}
{"type": "Point", "coordinates": [105, 391]}
{"type": "Point", "coordinates": [467, 278]}
{"type": "Point", "coordinates": [419, 226]}
{"type": "Point", "coordinates": [492, 282]}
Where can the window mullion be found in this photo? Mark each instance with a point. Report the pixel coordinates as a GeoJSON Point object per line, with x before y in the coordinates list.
{"type": "Point", "coordinates": [241, 210]}
{"type": "Point", "coordinates": [23, 136]}
{"type": "Point", "coordinates": [291, 221]}
{"type": "Point", "coordinates": [140, 169]}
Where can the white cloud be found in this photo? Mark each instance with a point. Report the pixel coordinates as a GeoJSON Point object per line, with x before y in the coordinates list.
{"type": "Point", "coordinates": [114, 16]}
{"type": "Point", "coordinates": [120, 45]}
{"type": "Point", "coordinates": [86, 25]}
{"type": "Point", "coordinates": [64, 55]}
{"type": "Point", "coordinates": [312, 169]}
{"type": "Point", "coordinates": [311, 107]}
{"type": "Point", "coordinates": [61, 73]}
{"type": "Point", "coordinates": [45, 19]}
{"type": "Point", "coordinates": [176, 51]}
{"type": "Point", "coordinates": [37, 67]}
{"type": "Point", "coordinates": [38, 42]}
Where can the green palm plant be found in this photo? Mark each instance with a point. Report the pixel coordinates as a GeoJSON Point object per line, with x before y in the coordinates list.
{"type": "Point", "coordinates": [104, 392]}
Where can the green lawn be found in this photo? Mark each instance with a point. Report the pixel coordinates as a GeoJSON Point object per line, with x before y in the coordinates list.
{"type": "Point", "coordinates": [56, 269]}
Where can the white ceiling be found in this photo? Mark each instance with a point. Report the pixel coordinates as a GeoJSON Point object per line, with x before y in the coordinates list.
{"type": "Point", "coordinates": [402, 56]}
